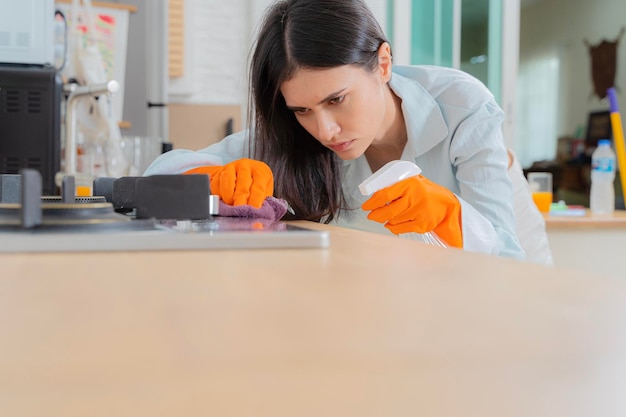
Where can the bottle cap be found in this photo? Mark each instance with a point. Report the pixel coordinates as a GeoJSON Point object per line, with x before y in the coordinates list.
{"type": "Point", "coordinates": [604, 142]}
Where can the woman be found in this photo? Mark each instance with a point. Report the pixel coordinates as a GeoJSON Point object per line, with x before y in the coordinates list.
{"type": "Point", "coordinates": [328, 110]}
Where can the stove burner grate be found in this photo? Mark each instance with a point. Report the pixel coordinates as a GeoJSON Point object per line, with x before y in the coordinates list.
{"type": "Point", "coordinates": [78, 199]}
{"type": "Point", "coordinates": [65, 214]}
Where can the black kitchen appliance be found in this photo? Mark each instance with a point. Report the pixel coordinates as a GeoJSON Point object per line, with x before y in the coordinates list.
{"type": "Point", "coordinates": [30, 121]}
{"type": "Point", "coordinates": [161, 212]}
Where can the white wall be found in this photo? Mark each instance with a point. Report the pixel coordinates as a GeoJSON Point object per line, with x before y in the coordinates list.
{"type": "Point", "coordinates": [217, 34]}
{"type": "Point", "coordinates": [218, 38]}
{"type": "Point", "coordinates": [560, 26]}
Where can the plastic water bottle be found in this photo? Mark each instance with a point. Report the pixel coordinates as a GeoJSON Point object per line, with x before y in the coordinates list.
{"type": "Point", "coordinates": [602, 199]}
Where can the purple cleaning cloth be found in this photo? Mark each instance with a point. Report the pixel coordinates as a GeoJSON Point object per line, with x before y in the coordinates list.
{"type": "Point", "coordinates": [272, 209]}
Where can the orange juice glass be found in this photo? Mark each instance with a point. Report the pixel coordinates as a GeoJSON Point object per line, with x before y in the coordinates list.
{"type": "Point", "coordinates": [540, 184]}
{"type": "Point", "coordinates": [542, 200]}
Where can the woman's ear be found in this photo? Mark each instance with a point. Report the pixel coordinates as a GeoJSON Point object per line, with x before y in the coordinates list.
{"type": "Point", "coordinates": [384, 61]}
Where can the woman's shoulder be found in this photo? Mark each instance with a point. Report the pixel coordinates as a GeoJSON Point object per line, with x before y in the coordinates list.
{"type": "Point", "coordinates": [445, 84]}
{"type": "Point", "coordinates": [177, 161]}
{"type": "Point", "coordinates": [433, 74]}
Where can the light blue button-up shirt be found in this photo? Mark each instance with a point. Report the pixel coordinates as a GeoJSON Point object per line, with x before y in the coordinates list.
{"type": "Point", "coordinates": [454, 135]}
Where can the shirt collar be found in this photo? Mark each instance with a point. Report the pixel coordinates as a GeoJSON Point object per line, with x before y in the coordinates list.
{"type": "Point", "coordinates": [425, 124]}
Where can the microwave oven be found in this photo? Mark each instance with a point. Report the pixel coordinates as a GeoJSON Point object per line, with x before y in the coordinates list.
{"type": "Point", "coordinates": [27, 32]}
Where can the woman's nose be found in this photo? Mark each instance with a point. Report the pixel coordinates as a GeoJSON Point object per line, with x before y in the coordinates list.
{"type": "Point", "coordinates": [327, 128]}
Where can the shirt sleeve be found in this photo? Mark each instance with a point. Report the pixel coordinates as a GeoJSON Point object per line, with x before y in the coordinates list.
{"type": "Point", "coordinates": [530, 225]}
{"type": "Point", "coordinates": [178, 161]}
{"type": "Point", "coordinates": [479, 157]}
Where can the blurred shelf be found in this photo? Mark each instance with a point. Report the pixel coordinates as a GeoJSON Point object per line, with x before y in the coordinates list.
{"type": "Point", "coordinates": [129, 7]}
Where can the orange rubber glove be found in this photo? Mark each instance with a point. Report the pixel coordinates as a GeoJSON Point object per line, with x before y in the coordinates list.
{"type": "Point", "coordinates": [244, 181]}
{"type": "Point", "coordinates": [417, 204]}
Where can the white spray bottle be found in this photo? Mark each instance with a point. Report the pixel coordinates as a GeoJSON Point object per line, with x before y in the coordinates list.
{"type": "Point", "coordinates": [389, 174]}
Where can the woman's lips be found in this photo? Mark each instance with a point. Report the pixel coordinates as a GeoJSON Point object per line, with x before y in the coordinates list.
{"type": "Point", "coordinates": [340, 147]}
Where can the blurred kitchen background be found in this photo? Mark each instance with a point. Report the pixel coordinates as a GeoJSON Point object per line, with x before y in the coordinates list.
{"type": "Point", "coordinates": [185, 63]}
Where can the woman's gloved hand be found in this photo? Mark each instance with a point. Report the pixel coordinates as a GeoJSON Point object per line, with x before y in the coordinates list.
{"type": "Point", "coordinates": [417, 204]}
{"type": "Point", "coordinates": [243, 181]}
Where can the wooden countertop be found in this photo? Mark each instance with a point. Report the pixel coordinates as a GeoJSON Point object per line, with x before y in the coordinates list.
{"type": "Point", "coordinates": [371, 326]}
{"type": "Point", "coordinates": [589, 220]}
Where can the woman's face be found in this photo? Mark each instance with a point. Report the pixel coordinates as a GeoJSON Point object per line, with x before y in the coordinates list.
{"type": "Point", "coordinates": [342, 107]}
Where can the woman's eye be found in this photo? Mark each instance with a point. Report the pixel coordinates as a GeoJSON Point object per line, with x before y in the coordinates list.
{"type": "Point", "coordinates": [336, 100]}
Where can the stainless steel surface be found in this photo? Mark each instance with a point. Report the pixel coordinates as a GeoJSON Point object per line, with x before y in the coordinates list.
{"type": "Point", "coordinates": [214, 205]}
{"type": "Point", "coordinates": [216, 233]}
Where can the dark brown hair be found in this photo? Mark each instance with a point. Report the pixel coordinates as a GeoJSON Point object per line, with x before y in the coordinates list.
{"type": "Point", "coordinates": [311, 34]}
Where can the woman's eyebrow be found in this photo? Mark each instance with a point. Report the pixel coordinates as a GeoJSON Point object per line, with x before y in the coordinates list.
{"type": "Point", "coordinates": [291, 108]}
{"type": "Point", "coordinates": [325, 99]}
{"type": "Point", "coordinates": [331, 95]}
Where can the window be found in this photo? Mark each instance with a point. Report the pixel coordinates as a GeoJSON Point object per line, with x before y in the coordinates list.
{"type": "Point", "coordinates": [537, 105]}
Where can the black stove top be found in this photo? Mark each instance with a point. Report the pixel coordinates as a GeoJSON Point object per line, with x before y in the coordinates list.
{"type": "Point", "coordinates": [132, 213]}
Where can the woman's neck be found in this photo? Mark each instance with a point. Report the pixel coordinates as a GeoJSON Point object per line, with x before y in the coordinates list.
{"type": "Point", "coordinates": [391, 145]}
